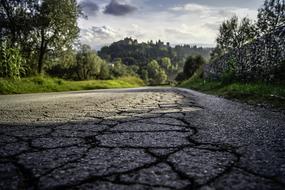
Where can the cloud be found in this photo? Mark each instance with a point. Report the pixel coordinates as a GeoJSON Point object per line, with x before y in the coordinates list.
{"type": "Point", "coordinates": [213, 26]}
{"type": "Point", "coordinates": [191, 7]}
{"type": "Point", "coordinates": [118, 9]}
{"type": "Point", "coordinates": [98, 36]}
{"type": "Point", "coordinates": [226, 12]}
{"type": "Point", "coordinates": [103, 32]}
{"type": "Point", "coordinates": [89, 7]}
{"type": "Point", "coordinates": [179, 34]}
{"type": "Point", "coordinates": [213, 12]}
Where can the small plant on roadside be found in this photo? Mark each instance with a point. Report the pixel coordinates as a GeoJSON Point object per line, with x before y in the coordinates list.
{"type": "Point", "coordinates": [11, 63]}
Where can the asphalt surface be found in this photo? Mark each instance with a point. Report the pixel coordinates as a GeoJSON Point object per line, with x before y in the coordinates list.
{"type": "Point", "coordinates": [147, 138]}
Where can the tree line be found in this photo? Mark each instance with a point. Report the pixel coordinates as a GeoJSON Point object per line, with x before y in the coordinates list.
{"type": "Point", "coordinates": [122, 60]}
{"type": "Point", "coordinates": [155, 62]}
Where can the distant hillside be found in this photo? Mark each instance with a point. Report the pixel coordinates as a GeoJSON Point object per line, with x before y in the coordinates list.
{"type": "Point", "coordinates": [133, 53]}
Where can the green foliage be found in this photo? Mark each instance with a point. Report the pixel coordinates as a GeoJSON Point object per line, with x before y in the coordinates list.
{"type": "Point", "coordinates": [180, 77]}
{"type": "Point", "coordinates": [156, 74]}
{"type": "Point", "coordinates": [119, 69]}
{"type": "Point", "coordinates": [216, 53]}
{"type": "Point", "coordinates": [57, 26]}
{"type": "Point", "coordinates": [104, 72]}
{"type": "Point", "coordinates": [198, 73]}
{"type": "Point", "coordinates": [160, 78]}
{"type": "Point", "coordinates": [229, 75]}
{"type": "Point", "coordinates": [233, 34]}
{"type": "Point", "coordinates": [89, 64]}
{"type": "Point", "coordinates": [144, 75]}
{"type": "Point", "coordinates": [191, 65]}
{"type": "Point", "coordinates": [165, 63]}
{"type": "Point", "coordinates": [16, 18]}
{"type": "Point", "coordinates": [45, 30]}
{"type": "Point", "coordinates": [271, 16]}
{"type": "Point", "coordinates": [153, 68]}
{"type": "Point", "coordinates": [39, 27]}
{"type": "Point", "coordinates": [263, 36]}
{"type": "Point", "coordinates": [64, 66]}
{"type": "Point", "coordinates": [280, 73]}
{"type": "Point", "coordinates": [81, 65]}
{"type": "Point", "coordinates": [45, 84]}
{"type": "Point", "coordinates": [134, 68]}
{"type": "Point", "coordinates": [170, 68]}
{"type": "Point", "coordinates": [140, 54]}
{"type": "Point", "coordinates": [11, 63]}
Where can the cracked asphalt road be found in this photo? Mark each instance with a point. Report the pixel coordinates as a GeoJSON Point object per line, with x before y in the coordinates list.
{"type": "Point", "coordinates": [147, 138]}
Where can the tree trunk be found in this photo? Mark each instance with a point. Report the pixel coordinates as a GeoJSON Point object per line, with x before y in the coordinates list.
{"type": "Point", "coordinates": [40, 62]}
{"type": "Point", "coordinates": [42, 52]}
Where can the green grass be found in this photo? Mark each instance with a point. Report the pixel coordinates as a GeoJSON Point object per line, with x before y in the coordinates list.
{"type": "Point", "coordinates": [252, 93]}
{"type": "Point", "coordinates": [47, 84]}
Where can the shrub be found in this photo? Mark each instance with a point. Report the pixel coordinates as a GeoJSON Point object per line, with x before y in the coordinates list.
{"type": "Point", "coordinates": [11, 63]}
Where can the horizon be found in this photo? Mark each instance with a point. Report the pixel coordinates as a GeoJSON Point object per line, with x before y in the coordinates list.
{"type": "Point", "coordinates": [178, 22]}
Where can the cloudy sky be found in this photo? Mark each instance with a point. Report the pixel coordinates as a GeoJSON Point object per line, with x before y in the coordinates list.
{"type": "Point", "coordinates": [174, 21]}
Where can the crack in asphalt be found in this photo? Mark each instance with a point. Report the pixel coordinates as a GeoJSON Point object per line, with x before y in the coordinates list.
{"type": "Point", "coordinates": [139, 140]}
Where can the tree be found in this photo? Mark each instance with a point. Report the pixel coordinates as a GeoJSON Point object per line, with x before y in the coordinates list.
{"type": "Point", "coordinates": [56, 27]}
{"type": "Point", "coordinates": [234, 34]}
{"type": "Point", "coordinates": [161, 77]}
{"type": "Point", "coordinates": [216, 53]}
{"type": "Point", "coordinates": [155, 73]}
{"type": "Point", "coordinates": [64, 66]}
{"type": "Point", "coordinates": [104, 72]}
{"type": "Point", "coordinates": [16, 18]}
{"type": "Point", "coordinates": [88, 63]}
{"type": "Point", "coordinates": [17, 21]}
{"type": "Point", "coordinates": [144, 75]}
{"type": "Point", "coordinates": [165, 63]}
{"type": "Point", "coordinates": [169, 68]}
{"type": "Point", "coordinates": [192, 64]}
{"type": "Point", "coordinates": [140, 54]}
{"type": "Point", "coordinates": [119, 69]}
{"type": "Point", "coordinates": [271, 16]}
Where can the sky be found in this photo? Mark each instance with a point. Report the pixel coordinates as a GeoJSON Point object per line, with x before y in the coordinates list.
{"type": "Point", "coordinates": [174, 21]}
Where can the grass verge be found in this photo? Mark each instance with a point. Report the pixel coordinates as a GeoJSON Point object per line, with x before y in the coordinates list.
{"type": "Point", "coordinates": [252, 93]}
{"type": "Point", "coordinates": [47, 84]}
